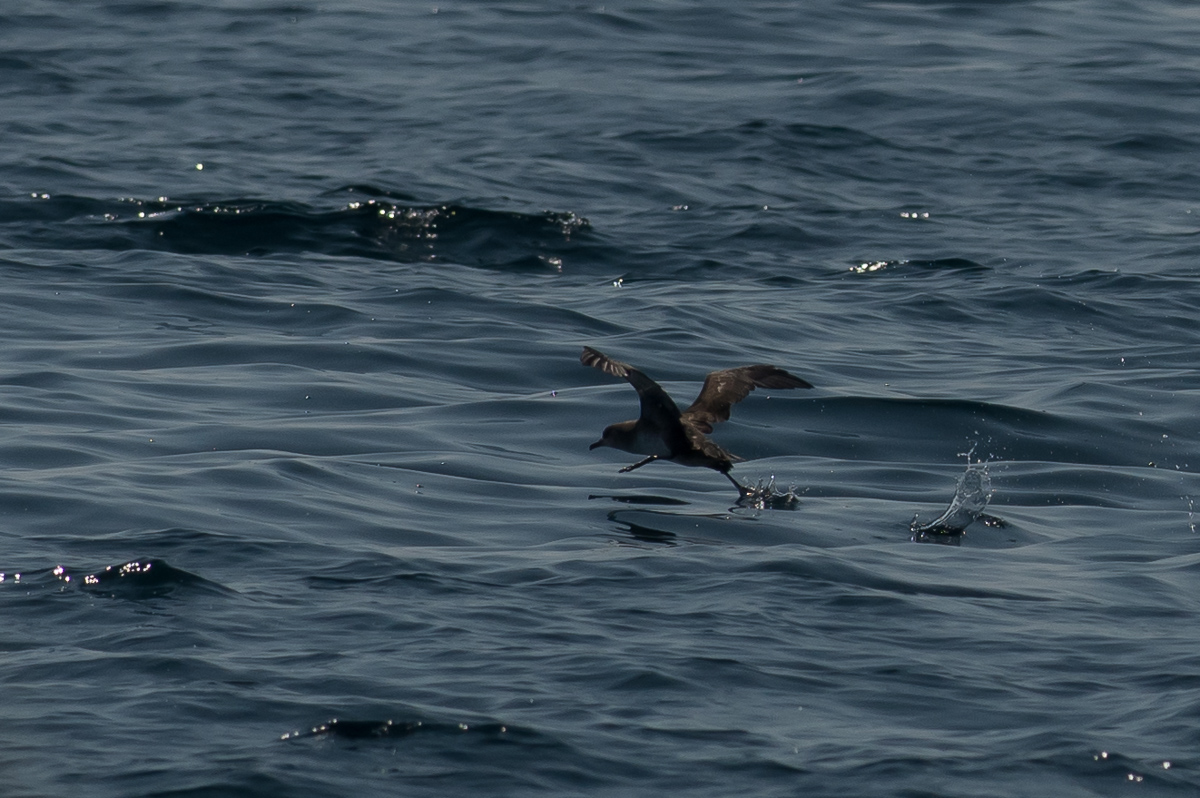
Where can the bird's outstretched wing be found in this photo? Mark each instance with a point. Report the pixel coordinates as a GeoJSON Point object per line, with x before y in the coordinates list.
{"type": "Point", "coordinates": [723, 389]}
{"type": "Point", "coordinates": [658, 407]}
{"type": "Point", "coordinates": [706, 445]}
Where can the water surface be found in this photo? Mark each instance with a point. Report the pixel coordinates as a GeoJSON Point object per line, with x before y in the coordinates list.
{"type": "Point", "coordinates": [296, 492]}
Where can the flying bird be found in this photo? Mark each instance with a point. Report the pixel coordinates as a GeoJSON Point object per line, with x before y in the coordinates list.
{"type": "Point", "coordinates": [662, 432]}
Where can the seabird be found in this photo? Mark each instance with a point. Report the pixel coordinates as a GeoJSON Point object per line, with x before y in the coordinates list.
{"type": "Point", "coordinates": [662, 432]}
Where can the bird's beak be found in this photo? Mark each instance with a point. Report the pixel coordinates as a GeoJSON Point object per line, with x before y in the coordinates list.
{"type": "Point", "coordinates": [594, 445]}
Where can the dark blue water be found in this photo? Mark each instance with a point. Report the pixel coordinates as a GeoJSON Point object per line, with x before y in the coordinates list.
{"type": "Point", "coordinates": [296, 496]}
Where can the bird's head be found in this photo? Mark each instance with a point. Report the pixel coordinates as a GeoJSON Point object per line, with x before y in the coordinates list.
{"type": "Point", "coordinates": [616, 436]}
{"type": "Point", "coordinates": [605, 439]}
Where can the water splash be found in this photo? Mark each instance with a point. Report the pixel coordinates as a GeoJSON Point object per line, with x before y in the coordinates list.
{"type": "Point", "coordinates": [971, 496]}
{"type": "Point", "coordinates": [767, 496]}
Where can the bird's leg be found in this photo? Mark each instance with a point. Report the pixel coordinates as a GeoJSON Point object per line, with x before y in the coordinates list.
{"type": "Point", "coordinates": [743, 491]}
{"type": "Point", "coordinates": [639, 464]}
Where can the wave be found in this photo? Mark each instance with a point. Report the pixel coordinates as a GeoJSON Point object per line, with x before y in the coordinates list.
{"type": "Point", "coordinates": [355, 221]}
{"type": "Point", "coordinates": [353, 729]}
{"type": "Point", "coordinates": [136, 579]}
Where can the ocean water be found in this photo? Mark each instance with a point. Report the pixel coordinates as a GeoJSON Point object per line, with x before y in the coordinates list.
{"type": "Point", "coordinates": [296, 495]}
